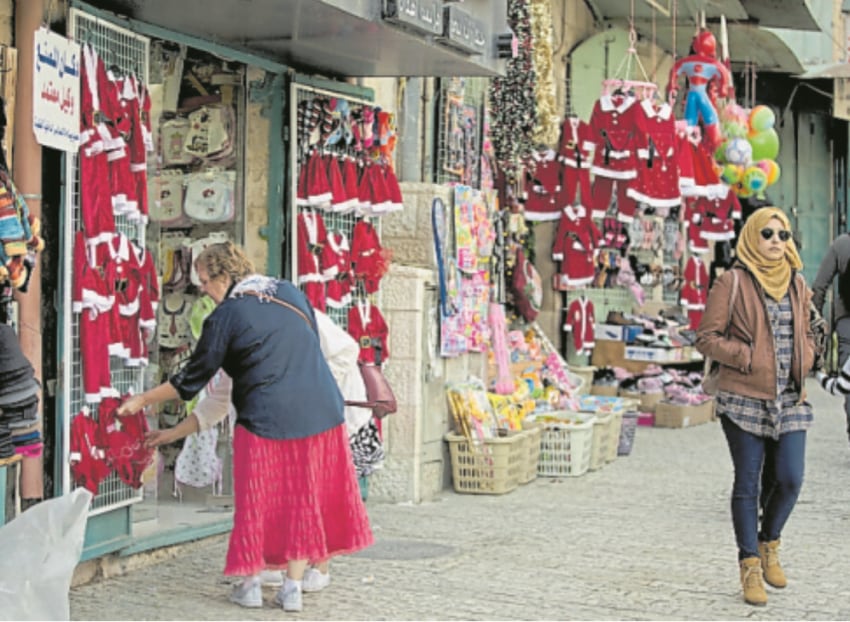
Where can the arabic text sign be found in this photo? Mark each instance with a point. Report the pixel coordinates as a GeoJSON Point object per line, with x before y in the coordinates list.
{"type": "Point", "coordinates": [56, 97]}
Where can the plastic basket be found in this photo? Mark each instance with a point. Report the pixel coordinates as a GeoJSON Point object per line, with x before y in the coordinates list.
{"type": "Point", "coordinates": [490, 466]}
{"type": "Point", "coordinates": [616, 426]}
{"type": "Point", "coordinates": [602, 439]}
{"type": "Point", "coordinates": [565, 446]}
{"type": "Point", "coordinates": [585, 372]}
{"type": "Point", "coordinates": [531, 453]}
{"type": "Point", "coordinates": [627, 433]}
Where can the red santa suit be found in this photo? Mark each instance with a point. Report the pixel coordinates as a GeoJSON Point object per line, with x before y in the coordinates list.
{"type": "Point", "coordinates": [138, 144]}
{"type": "Point", "coordinates": [122, 183]}
{"type": "Point", "coordinates": [580, 321]}
{"type": "Point", "coordinates": [613, 123]}
{"type": "Point", "coordinates": [312, 237]}
{"type": "Point", "coordinates": [95, 139]}
{"type": "Point", "coordinates": [718, 216]}
{"type": "Point", "coordinates": [576, 155]}
{"type": "Point", "coordinates": [149, 294]}
{"type": "Point", "coordinates": [693, 301]}
{"type": "Point", "coordinates": [368, 263]}
{"type": "Point", "coordinates": [695, 291]}
{"type": "Point", "coordinates": [693, 218]}
{"type": "Point", "coordinates": [367, 326]}
{"type": "Point", "coordinates": [337, 258]}
{"type": "Point", "coordinates": [657, 182]}
{"type": "Point", "coordinates": [697, 175]}
{"type": "Point", "coordinates": [92, 300]}
{"type": "Point", "coordinates": [542, 186]}
{"type": "Point", "coordinates": [576, 242]}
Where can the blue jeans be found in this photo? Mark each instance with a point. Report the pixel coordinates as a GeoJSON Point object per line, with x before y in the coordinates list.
{"type": "Point", "coordinates": [786, 459]}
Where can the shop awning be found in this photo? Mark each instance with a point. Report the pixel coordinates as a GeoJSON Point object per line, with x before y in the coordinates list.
{"type": "Point", "coordinates": [750, 25]}
{"type": "Point", "coordinates": [333, 37]}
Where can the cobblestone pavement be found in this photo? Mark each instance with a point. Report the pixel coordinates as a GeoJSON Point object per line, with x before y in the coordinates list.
{"type": "Point", "coordinates": [648, 536]}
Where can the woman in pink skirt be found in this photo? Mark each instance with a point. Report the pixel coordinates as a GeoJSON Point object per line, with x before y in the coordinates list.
{"type": "Point", "coordinates": [296, 495]}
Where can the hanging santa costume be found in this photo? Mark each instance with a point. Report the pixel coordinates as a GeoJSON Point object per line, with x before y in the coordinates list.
{"type": "Point", "coordinates": [576, 155]}
{"type": "Point", "coordinates": [580, 322]}
{"type": "Point", "coordinates": [367, 326]}
{"type": "Point", "coordinates": [657, 182]}
{"type": "Point", "coordinates": [312, 237]}
{"type": "Point", "coordinates": [612, 123]}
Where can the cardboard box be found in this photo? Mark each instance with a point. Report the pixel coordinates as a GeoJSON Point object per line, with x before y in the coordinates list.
{"type": "Point", "coordinates": [612, 332]}
{"type": "Point", "coordinates": [669, 415]}
{"type": "Point", "coordinates": [609, 390]}
{"type": "Point", "coordinates": [648, 401]}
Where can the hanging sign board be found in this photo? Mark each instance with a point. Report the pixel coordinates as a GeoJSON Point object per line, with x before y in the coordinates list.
{"type": "Point", "coordinates": [56, 89]}
{"type": "Point", "coordinates": [422, 16]}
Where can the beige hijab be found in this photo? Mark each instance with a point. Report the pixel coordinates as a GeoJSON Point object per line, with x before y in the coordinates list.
{"type": "Point", "coordinates": [774, 276]}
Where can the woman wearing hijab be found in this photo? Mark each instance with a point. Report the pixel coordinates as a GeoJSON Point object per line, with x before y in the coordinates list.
{"type": "Point", "coordinates": [765, 349]}
{"type": "Point", "coordinates": [296, 497]}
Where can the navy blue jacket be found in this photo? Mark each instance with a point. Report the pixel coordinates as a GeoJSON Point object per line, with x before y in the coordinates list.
{"type": "Point", "coordinates": [282, 385]}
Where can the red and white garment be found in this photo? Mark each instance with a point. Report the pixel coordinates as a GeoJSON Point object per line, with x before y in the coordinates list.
{"type": "Point", "coordinates": [395, 201]}
{"type": "Point", "coordinates": [575, 246]}
{"type": "Point", "coordinates": [695, 290]}
{"type": "Point", "coordinates": [140, 143]}
{"type": "Point", "coordinates": [718, 216]}
{"type": "Point", "coordinates": [613, 123]}
{"type": "Point", "coordinates": [149, 293]}
{"type": "Point", "coordinates": [122, 183]}
{"type": "Point", "coordinates": [542, 186]}
{"type": "Point", "coordinates": [350, 181]}
{"type": "Point", "coordinates": [337, 259]}
{"type": "Point", "coordinates": [697, 176]}
{"type": "Point", "coordinates": [367, 257]}
{"type": "Point", "coordinates": [580, 321]}
{"type": "Point", "coordinates": [576, 155]}
{"type": "Point", "coordinates": [693, 223]}
{"type": "Point", "coordinates": [369, 329]}
{"type": "Point", "coordinates": [94, 302]}
{"type": "Point", "coordinates": [341, 201]}
{"type": "Point", "coordinates": [95, 140]}
{"type": "Point", "coordinates": [312, 238]}
{"type": "Point", "coordinates": [657, 182]}
{"type": "Point", "coordinates": [87, 456]}
{"type": "Point", "coordinates": [318, 188]}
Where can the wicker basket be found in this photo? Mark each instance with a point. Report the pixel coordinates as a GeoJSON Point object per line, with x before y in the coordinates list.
{"type": "Point", "coordinates": [492, 466]}
{"type": "Point", "coordinates": [627, 433]}
{"type": "Point", "coordinates": [565, 446]}
{"type": "Point", "coordinates": [531, 453]}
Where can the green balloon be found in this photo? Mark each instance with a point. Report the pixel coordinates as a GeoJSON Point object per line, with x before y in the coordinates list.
{"type": "Point", "coordinates": [765, 145]}
{"type": "Point", "coordinates": [720, 154]}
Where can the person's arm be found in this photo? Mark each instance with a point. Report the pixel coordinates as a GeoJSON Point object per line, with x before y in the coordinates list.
{"type": "Point", "coordinates": [836, 385]}
{"type": "Point", "coordinates": [151, 397]}
{"type": "Point", "coordinates": [826, 273]}
{"type": "Point", "coordinates": [188, 426]}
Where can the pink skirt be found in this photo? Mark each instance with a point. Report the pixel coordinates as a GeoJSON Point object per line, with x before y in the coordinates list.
{"type": "Point", "coordinates": [294, 499]}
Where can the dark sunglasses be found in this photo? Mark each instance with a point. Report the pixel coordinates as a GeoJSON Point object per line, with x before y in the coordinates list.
{"type": "Point", "coordinates": [767, 233]}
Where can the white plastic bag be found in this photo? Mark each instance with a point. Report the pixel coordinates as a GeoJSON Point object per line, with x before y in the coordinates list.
{"type": "Point", "coordinates": [38, 553]}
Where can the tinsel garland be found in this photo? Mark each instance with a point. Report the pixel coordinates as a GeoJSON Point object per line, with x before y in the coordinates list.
{"type": "Point", "coordinates": [548, 126]}
{"type": "Point", "coordinates": [512, 104]}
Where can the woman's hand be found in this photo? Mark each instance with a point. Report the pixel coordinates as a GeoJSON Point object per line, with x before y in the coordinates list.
{"type": "Point", "coordinates": [132, 405]}
{"type": "Point", "coordinates": [155, 438]}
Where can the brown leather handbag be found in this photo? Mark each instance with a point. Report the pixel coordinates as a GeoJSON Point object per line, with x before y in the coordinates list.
{"type": "Point", "coordinates": [379, 394]}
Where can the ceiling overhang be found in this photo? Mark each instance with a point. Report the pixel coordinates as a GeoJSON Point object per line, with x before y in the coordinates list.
{"type": "Point", "coordinates": [340, 38]}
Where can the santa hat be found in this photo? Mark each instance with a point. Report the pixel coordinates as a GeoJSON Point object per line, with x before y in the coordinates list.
{"type": "Point", "coordinates": [396, 203]}
{"type": "Point", "coordinates": [318, 186]}
{"type": "Point", "coordinates": [350, 181]}
{"type": "Point", "coordinates": [340, 201]}
{"type": "Point", "coordinates": [380, 194]}
{"type": "Point", "coordinates": [301, 199]}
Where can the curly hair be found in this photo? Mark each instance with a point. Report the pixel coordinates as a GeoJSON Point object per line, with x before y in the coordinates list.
{"type": "Point", "coordinates": [225, 259]}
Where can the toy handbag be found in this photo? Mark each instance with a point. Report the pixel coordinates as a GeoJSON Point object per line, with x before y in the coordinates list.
{"type": "Point", "coordinates": [209, 196]}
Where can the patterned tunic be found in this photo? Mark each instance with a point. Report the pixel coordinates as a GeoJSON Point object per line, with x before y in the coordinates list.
{"type": "Point", "coordinates": [772, 418]}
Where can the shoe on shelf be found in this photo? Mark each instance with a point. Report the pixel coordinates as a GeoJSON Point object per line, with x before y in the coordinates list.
{"type": "Point", "coordinates": [315, 581]}
{"type": "Point", "coordinates": [289, 597]}
{"type": "Point", "coordinates": [271, 577]}
{"type": "Point", "coordinates": [249, 593]}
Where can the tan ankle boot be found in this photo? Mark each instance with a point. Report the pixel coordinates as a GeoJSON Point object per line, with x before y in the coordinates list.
{"type": "Point", "coordinates": [751, 581]}
{"type": "Point", "coordinates": [773, 573]}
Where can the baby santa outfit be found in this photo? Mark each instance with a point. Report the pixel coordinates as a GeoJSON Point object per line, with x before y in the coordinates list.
{"type": "Point", "coordinates": [576, 155]}
{"type": "Point", "coordinates": [695, 291]}
{"type": "Point", "coordinates": [657, 182]}
{"type": "Point", "coordinates": [367, 326]}
{"type": "Point", "coordinates": [542, 186]}
{"type": "Point", "coordinates": [718, 216]}
{"type": "Point", "coordinates": [580, 322]}
{"type": "Point", "coordinates": [337, 258]}
{"type": "Point", "coordinates": [575, 246]}
{"type": "Point", "coordinates": [312, 238]}
{"type": "Point", "coordinates": [612, 123]}
{"type": "Point", "coordinates": [368, 263]}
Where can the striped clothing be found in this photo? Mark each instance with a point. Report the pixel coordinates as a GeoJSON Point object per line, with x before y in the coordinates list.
{"type": "Point", "coordinates": [771, 418]}
{"type": "Point", "coordinates": [837, 385]}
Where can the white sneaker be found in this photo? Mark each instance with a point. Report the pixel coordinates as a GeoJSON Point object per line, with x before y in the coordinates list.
{"type": "Point", "coordinates": [249, 593]}
{"type": "Point", "coordinates": [271, 577]}
{"type": "Point", "coordinates": [289, 597]}
{"type": "Point", "coordinates": [315, 580]}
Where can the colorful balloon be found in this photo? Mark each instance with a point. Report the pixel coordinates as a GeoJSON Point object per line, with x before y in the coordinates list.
{"type": "Point", "coordinates": [738, 151]}
{"type": "Point", "coordinates": [772, 169]}
{"type": "Point", "coordinates": [720, 154]}
{"type": "Point", "coordinates": [755, 179]}
{"type": "Point", "coordinates": [765, 145]}
{"type": "Point", "coordinates": [742, 191]}
{"type": "Point", "coordinates": [762, 118]}
{"type": "Point", "coordinates": [732, 173]}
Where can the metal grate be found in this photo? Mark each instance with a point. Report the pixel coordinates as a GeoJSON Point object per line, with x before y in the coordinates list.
{"type": "Point", "coordinates": [459, 131]}
{"type": "Point", "coordinates": [334, 221]}
{"type": "Point", "coordinates": [129, 52]}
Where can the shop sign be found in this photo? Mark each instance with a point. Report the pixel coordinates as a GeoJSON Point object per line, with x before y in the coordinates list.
{"type": "Point", "coordinates": [56, 84]}
{"type": "Point", "coordinates": [425, 16]}
{"type": "Point", "coordinates": [463, 31]}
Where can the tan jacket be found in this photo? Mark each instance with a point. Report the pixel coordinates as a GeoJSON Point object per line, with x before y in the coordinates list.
{"type": "Point", "coordinates": [747, 356]}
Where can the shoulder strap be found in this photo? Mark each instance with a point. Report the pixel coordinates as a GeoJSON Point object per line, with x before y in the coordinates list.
{"type": "Point", "coordinates": [732, 297]}
{"type": "Point", "coordinates": [282, 303]}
